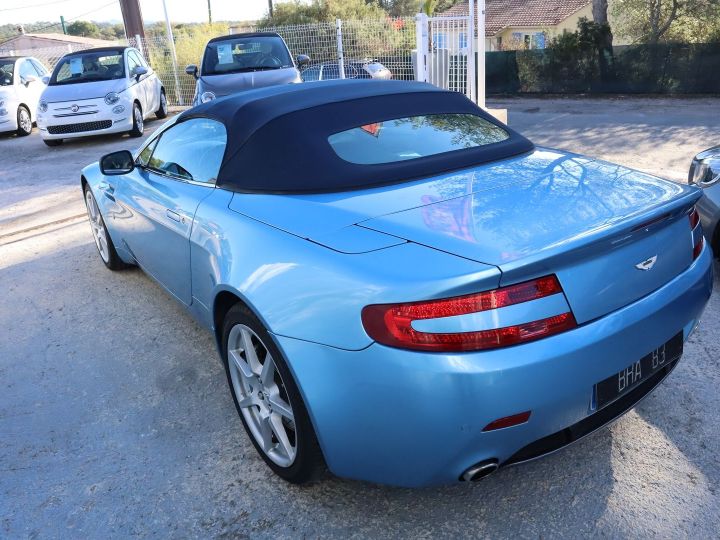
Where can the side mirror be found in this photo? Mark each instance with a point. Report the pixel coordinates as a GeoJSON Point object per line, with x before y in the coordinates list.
{"type": "Point", "coordinates": [138, 71]}
{"type": "Point", "coordinates": [117, 163]}
{"type": "Point", "coordinates": [27, 79]}
{"type": "Point", "coordinates": [45, 80]}
{"type": "Point", "coordinates": [192, 69]}
{"type": "Point", "coordinates": [303, 60]}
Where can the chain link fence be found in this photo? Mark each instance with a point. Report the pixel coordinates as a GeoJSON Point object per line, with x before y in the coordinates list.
{"type": "Point", "coordinates": [389, 41]}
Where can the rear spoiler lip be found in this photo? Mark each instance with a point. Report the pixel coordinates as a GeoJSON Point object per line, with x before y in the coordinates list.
{"type": "Point", "coordinates": [541, 262]}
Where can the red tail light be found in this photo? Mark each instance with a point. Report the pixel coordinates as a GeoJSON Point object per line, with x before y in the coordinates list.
{"type": "Point", "coordinates": [508, 421]}
{"type": "Point", "coordinates": [700, 242]}
{"type": "Point", "coordinates": [697, 250]}
{"type": "Point", "coordinates": [391, 324]}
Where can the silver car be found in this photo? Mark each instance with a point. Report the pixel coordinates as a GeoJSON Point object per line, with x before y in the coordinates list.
{"type": "Point", "coordinates": [243, 61]}
{"type": "Point", "coordinates": [705, 173]}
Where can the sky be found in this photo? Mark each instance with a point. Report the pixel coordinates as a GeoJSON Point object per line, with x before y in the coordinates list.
{"type": "Point", "coordinates": [26, 11]}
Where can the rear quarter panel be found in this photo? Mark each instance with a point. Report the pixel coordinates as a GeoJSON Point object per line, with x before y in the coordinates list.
{"type": "Point", "coordinates": [303, 290]}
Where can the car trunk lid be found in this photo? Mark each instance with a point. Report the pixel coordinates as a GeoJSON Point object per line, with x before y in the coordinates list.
{"type": "Point", "coordinates": [612, 235]}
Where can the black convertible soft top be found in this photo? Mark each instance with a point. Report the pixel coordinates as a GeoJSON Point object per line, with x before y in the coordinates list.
{"type": "Point", "coordinates": [277, 137]}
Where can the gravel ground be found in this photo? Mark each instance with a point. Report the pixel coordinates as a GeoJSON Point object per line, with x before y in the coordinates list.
{"type": "Point", "coordinates": [115, 419]}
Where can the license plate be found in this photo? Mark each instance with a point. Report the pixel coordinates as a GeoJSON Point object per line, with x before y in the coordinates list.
{"type": "Point", "coordinates": [623, 381]}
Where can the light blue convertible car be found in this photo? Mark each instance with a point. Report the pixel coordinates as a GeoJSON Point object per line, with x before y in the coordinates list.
{"type": "Point", "coordinates": [401, 287]}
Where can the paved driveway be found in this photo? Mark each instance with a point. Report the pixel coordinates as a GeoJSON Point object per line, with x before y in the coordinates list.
{"type": "Point", "coordinates": [115, 418]}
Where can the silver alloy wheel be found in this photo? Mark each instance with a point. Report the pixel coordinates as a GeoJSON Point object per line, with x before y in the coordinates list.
{"type": "Point", "coordinates": [97, 226]}
{"type": "Point", "coordinates": [137, 113]}
{"type": "Point", "coordinates": [261, 395]}
{"type": "Point", "coordinates": [24, 120]}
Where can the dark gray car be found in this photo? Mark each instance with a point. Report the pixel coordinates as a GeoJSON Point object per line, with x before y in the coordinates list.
{"type": "Point", "coordinates": [705, 173]}
{"type": "Point", "coordinates": [240, 62]}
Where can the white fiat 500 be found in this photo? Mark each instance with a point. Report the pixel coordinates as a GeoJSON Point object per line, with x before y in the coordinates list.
{"type": "Point", "coordinates": [20, 88]}
{"type": "Point", "coordinates": [99, 91]}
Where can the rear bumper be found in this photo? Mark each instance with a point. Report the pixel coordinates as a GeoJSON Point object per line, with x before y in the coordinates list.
{"type": "Point", "coordinates": [414, 419]}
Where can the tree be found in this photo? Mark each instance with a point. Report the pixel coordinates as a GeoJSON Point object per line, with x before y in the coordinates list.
{"type": "Point", "coordinates": [297, 12]}
{"type": "Point", "coordinates": [660, 17]}
{"type": "Point", "coordinates": [605, 38]}
{"type": "Point", "coordinates": [431, 7]}
{"type": "Point", "coordinates": [83, 28]}
{"type": "Point", "coordinates": [399, 8]}
{"type": "Point", "coordinates": [655, 21]}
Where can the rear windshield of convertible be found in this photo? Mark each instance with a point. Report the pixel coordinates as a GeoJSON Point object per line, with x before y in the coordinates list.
{"type": "Point", "coordinates": [414, 137]}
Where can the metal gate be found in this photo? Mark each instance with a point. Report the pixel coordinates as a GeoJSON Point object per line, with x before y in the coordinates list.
{"type": "Point", "coordinates": [446, 58]}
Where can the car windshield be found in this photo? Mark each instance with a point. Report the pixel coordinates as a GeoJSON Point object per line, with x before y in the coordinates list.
{"type": "Point", "coordinates": [6, 72]}
{"type": "Point", "coordinates": [243, 54]}
{"type": "Point", "coordinates": [414, 137]}
{"type": "Point", "coordinates": [89, 67]}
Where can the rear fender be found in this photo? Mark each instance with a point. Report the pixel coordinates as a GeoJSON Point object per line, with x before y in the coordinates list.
{"type": "Point", "coordinates": [303, 290]}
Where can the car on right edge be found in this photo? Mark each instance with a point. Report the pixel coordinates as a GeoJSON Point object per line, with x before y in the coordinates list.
{"type": "Point", "coordinates": [705, 173]}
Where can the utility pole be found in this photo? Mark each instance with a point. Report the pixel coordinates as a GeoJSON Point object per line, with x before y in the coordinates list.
{"type": "Point", "coordinates": [209, 13]}
{"type": "Point", "coordinates": [480, 70]}
{"type": "Point", "coordinates": [173, 55]}
{"type": "Point", "coordinates": [132, 18]}
{"type": "Point", "coordinates": [270, 8]}
{"type": "Point", "coordinates": [62, 23]}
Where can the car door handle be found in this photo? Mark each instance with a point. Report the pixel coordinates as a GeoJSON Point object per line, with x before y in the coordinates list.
{"type": "Point", "coordinates": [172, 215]}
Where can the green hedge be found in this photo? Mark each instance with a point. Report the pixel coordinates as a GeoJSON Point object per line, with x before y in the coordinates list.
{"type": "Point", "coordinates": [674, 68]}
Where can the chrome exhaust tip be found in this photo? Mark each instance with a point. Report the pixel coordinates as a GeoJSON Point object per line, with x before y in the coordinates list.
{"type": "Point", "coordinates": [480, 470]}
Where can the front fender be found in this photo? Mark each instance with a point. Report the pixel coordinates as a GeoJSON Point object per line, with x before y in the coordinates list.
{"type": "Point", "coordinates": [102, 191]}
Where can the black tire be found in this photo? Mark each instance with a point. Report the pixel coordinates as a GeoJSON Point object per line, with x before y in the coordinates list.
{"type": "Point", "coordinates": [138, 122]}
{"type": "Point", "coordinates": [162, 111]}
{"type": "Point", "coordinates": [24, 120]}
{"type": "Point", "coordinates": [309, 464]}
{"type": "Point", "coordinates": [111, 260]}
{"type": "Point", "coordinates": [53, 142]}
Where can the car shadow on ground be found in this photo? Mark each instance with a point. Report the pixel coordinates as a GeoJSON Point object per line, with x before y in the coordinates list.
{"type": "Point", "coordinates": [116, 405]}
{"type": "Point", "coordinates": [684, 408]}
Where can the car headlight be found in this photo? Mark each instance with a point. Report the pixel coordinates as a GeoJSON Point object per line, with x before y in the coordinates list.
{"type": "Point", "coordinates": [42, 106]}
{"type": "Point", "coordinates": [705, 168]}
{"type": "Point", "coordinates": [206, 96]}
{"type": "Point", "coordinates": [112, 98]}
